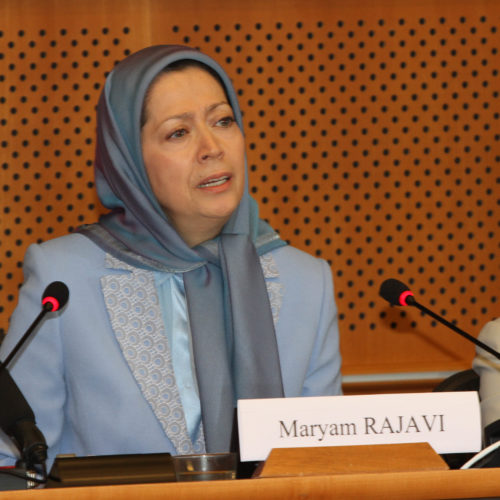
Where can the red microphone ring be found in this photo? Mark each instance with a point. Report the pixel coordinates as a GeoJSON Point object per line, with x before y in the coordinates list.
{"type": "Point", "coordinates": [53, 301]}
{"type": "Point", "coordinates": [402, 297]}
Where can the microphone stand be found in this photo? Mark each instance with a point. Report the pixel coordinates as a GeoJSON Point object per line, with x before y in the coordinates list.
{"type": "Point", "coordinates": [410, 300]}
{"type": "Point", "coordinates": [28, 437]}
{"type": "Point", "coordinates": [47, 307]}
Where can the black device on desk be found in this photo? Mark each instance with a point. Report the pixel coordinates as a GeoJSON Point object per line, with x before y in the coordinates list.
{"type": "Point", "coordinates": [111, 469]}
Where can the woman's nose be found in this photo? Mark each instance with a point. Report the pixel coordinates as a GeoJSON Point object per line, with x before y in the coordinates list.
{"type": "Point", "coordinates": [209, 146]}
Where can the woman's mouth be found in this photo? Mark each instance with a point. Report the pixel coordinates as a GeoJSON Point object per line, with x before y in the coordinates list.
{"type": "Point", "coordinates": [216, 181]}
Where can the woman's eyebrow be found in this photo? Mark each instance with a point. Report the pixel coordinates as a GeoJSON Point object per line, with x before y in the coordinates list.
{"type": "Point", "coordinates": [189, 114]}
{"type": "Point", "coordinates": [216, 105]}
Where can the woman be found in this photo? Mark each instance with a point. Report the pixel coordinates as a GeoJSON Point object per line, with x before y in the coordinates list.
{"type": "Point", "coordinates": [181, 300]}
{"type": "Point", "coordinates": [487, 367]}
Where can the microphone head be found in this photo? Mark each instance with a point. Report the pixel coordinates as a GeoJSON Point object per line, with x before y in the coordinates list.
{"type": "Point", "coordinates": [55, 296]}
{"type": "Point", "coordinates": [396, 293]}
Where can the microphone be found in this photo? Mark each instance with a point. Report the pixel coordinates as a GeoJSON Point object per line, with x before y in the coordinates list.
{"type": "Point", "coordinates": [17, 419]}
{"type": "Point", "coordinates": [54, 298]}
{"type": "Point", "coordinates": [398, 294]}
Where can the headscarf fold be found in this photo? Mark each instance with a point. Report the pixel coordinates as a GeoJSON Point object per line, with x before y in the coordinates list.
{"type": "Point", "coordinates": [234, 343]}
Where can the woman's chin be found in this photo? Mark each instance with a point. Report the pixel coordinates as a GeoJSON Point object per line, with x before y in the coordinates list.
{"type": "Point", "coordinates": [221, 208]}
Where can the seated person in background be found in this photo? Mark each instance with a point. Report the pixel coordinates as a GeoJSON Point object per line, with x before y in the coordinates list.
{"type": "Point", "coordinates": [487, 367]}
{"type": "Point", "coordinates": [182, 300]}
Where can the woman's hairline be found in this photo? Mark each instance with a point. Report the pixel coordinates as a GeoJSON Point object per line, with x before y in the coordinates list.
{"type": "Point", "coordinates": [177, 66]}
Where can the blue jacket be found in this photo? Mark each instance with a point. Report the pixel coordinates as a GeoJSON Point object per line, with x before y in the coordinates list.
{"type": "Point", "coordinates": [77, 380]}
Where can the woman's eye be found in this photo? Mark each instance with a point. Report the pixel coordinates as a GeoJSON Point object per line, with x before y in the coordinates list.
{"type": "Point", "coordinates": [177, 134]}
{"type": "Point", "coordinates": [226, 121]}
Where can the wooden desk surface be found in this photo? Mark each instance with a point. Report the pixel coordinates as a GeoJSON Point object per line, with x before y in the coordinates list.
{"type": "Point", "coordinates": [474, 483]}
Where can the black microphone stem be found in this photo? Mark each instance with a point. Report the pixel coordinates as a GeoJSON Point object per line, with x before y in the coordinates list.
{"type": "Point", "coordinates": [412, 302]}
{"type": "Point", "coordinates": [45, 309]}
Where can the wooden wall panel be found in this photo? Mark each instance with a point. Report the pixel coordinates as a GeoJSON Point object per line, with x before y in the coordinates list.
{"type": "Point", "coordinates": [372, 132]}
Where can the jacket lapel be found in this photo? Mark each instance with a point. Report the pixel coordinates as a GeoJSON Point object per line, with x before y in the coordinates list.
{"type": "Point", "coordinates": [274, 287]}
{"type": "Point", "coordinates": [136, 318]}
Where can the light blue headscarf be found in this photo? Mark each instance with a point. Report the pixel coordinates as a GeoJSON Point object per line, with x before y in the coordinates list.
{"type": "Point", "coordinates": [234, 342]}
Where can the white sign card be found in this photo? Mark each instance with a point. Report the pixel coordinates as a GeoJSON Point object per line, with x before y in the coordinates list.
{"type": "Point", "coordinates": [449, 421]}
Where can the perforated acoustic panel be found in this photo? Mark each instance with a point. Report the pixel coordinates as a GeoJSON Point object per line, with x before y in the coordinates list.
{"type": "Point", "coordinates": [372, 143]}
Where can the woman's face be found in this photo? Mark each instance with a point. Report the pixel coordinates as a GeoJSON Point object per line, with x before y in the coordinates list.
{"type": "Point", "coordinates": [193, 152]}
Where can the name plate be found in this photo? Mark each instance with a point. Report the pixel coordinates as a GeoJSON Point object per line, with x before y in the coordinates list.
{"type": "Point", "coordinates": [449, 421]}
